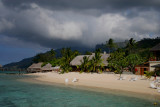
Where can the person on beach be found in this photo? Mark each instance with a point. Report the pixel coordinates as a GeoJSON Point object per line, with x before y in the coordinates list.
{"type": "Point", "coordinates": [155, 76]}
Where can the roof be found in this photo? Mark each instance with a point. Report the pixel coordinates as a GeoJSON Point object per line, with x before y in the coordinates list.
{"type": "Point", "coordinates": [39, 65]}
{"type": "Point", "coordinates": [104, 57]}
{"type": "Point", "coordinates": [47, 67]}
{"type": "Point", "coordinates": [156, 48]}
{"type": "Point", "coordinates": [77, 60]}
{"type": "Point", "coordinates": [157, 66]}
{"type": "Point", "coordinates": [0, 66]}
{"type": "Point", "coordinates": [36, 65]}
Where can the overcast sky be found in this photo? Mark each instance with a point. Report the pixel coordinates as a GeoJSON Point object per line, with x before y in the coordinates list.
{"type": "Point", "coordinates": [28, 27]}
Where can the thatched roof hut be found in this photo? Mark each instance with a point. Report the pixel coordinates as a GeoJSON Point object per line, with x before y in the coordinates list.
{"type": "Point", "coordinates": [35, 67]}
{"type": "Point", "coordinates": [104, 58]}
{"type": "Point", "coordinates": [156, 48]}
{"type": "Point", "coordinates": [47, 67]}
{"type": "Point", "coordinates": [77, 60]}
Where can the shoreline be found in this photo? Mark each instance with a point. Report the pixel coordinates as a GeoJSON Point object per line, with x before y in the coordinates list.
{"type": "Point", "coordinates": [98, 83]}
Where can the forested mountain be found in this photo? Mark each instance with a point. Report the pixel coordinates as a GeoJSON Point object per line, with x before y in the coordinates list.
{"type": "Point", "coordinates": [21, 64]}
{"type": "Point", "coordinates": [106, 49]}
{"type": "Point", "coordinates": [148, 42]}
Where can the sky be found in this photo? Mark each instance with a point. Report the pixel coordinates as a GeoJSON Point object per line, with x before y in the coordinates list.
{"type": "Point", "coordinates": [28, 27]}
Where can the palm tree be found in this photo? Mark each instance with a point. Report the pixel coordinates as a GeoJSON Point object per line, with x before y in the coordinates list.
{"type": "Point", "coordinates": [84, 65]}
{"type": "Point", "coordinates": [117, 61]}
{"type": "Point", "coordinates": [92, 64]}
{"type": "Point", "coordinates": [52, 53]}
{"type": "Point", "coordinates": [96, 61]}
{"type": "Point", "coordinates": [130, 45]}
{"type": "Point", "coordinates": [110, 44]}
{"type": "Point", "coordinates": [67, 57]}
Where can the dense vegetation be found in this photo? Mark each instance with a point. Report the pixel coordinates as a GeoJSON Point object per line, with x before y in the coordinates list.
{"type": "Point", "coordinates": [133, 54]}
{"type": "Point", "coordinates": [93, 65]}
{"type": "Point", "coordinates": [125, 58]}
{"type": "Point", "coordinates": [148, 42]}
{"type": "Point", "coordinates": [67, 56]}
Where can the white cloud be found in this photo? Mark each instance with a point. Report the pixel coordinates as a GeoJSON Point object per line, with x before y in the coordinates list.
{"type": "Point", "coordinates": [46, 23]}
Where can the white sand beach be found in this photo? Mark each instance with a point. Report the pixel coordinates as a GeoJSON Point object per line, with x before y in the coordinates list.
{"type": "Point", "coordinates": [105, 81]}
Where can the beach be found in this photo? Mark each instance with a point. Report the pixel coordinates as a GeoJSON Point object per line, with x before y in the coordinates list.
{"type": "Point", "coordinates": [100, 81]}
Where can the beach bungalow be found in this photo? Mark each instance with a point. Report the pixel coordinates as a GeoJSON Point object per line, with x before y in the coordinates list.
{"type": "Point", "coordinates": [35, 67]}
{"type": "Point", "coordinates": [56, 68]}
{"type": "Point", "coordinates": [154, 61]}
{"type": "Point", "coordinates": [141, 68]}
{"type": "Point", "coordinates": [77, 60]}
{"type": "Point", "coordinates": [47, 68]}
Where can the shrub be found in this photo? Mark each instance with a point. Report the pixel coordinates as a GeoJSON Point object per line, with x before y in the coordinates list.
{"type": "Point", "coordinates": [148, 74]}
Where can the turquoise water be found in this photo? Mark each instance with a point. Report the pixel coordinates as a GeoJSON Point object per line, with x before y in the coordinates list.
{"type": "Point", "coordinates": [14, 93]}
{"type": "Point", "coordinates": [13, 72]}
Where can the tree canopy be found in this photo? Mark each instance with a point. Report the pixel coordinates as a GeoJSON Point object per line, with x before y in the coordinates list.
{"type": "Point", "coordinates": [111, 45]}
{"type": "Point", "coordinates": [67, 57]}
{"type": "Point", "coordinates": [117, 61]}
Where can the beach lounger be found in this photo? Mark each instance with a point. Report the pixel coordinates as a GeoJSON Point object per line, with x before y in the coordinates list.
{"type": "Point", "coordinates": [66, 80]}
{"type": "Point", "coordinates": [122, 78]}
{"type": "Point", "coordinates": [158, 89]}
{"type": "Point", "coordinates": [152, 85]}
{"type": "Point", "coordinates": [133, 79]}
{"type": "Point", "coordinates": [75, 80]}
{"type": "Point", "coordinates": [156, 81]}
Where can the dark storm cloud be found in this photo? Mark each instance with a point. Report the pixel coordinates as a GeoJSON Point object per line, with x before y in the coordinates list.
{"type": "Point", "coordinates": [58, 23]}
{"type": "Point", "coordinates": [86, 4]}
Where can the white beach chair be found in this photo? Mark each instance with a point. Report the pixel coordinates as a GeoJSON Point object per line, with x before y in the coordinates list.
{"type": "Point", "coordinates": [124, 78]}
{"type": "Point", "coordinates": [158, 89]}
{"type": "Point", "coordinates": [156, 81]}
{"type": "Point", "coordinates": [152, 85]}
{"type": "Point", "coordinates": [120, 78]}
{"type": "Point", "coordinates": [66, 80]}
{"type": "Point", "coordinates": [75, 80]}
{"type": "Point", "coordinates": [134, 78]}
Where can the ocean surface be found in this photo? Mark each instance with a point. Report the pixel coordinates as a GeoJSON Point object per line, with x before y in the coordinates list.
{"type": "Point", "coordinates": [15, 93]}
{"type": "Point", "coordinates": [13, 72]}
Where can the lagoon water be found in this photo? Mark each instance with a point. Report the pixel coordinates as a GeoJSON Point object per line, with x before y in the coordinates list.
{"type": "Point", "coordinates": [14, 93]}
{"type": "Point", "coordinates": [13, 72]}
